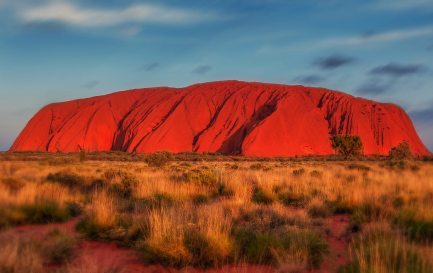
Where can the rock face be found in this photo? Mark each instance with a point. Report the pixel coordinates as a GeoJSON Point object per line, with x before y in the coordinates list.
{"type": "Point", "coordinates": [232, 117]}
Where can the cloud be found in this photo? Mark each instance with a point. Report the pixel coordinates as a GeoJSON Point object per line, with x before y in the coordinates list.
{"type": "Point", "coordinates": [202, 69]}
{"type": "Point", "coordinates": [43, 26]}
{"type": "Point", "coordinates": [384, 77]}
{"type": "Point", "coordinates": [150, 66]}
{"type": "Point", "coordinates": [309, 79]}
{"type": "Point", "coordinates": [129, 31]}
{"type": "Point", "coordinates": [374, 86]}
{"type": "Point", "coordinates": [423, 121]}
{"type": "Point", "coordinates": [424, 115]}
{"type": "Point", "coordinates": [371, 38]}
{"type": "Point", "coordinates": [71, 14]}
{"type": "Point", "coordinates": [397, 70]}
{"type": "Point", "coordinates": [91, 84]}
{"type": "Point", "coordinates": [333, 61]}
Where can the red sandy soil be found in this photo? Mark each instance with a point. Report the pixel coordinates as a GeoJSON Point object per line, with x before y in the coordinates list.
{"type": "Point", "coordinates": [102, 256]}
{"type": "Point", "coordinates": [98, 256]}
{"type": "Point", "coordinates": [233, 117]}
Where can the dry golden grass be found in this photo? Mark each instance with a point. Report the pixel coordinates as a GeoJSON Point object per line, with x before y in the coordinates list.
{"type": "Point", "coordinates": [165, 211]}
{"type": "Point", "coordinates": [103, 209]}
{"type": "Point", "coordinates": [19, 255]}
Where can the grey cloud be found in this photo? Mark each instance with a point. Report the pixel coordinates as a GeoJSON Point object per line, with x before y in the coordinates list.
{"type": "Point", "coordinates": [309, 79]}
{"type": "Point", "coordinates": [202, 69]}
{"type": "Point", "coordinates": [43, 26]}
{"type": "Point", "coordinates": [333, 61]}
{"type": "Point", "coordinates": [423, 121]}
{"type": "Point", "coordinates": [398, 70]}
{"type": "Point", "coordinates": [150, 66]}
{"type": "Point", "coordinates": [91, 84]}
{"type": "Point", "coordinates": [424, 115]}
{"type": "Point", "coordinates": [375, 87]}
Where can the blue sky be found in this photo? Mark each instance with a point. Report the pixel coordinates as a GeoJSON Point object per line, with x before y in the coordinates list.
{"type": "Point", "coordinates": [64, 49]}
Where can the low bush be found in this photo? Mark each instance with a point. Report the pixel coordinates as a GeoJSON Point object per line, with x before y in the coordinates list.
{"type": "Point", "coordinates": [263, 219]}
{"type": "Point", "coordinates": [201, 177]}
{"type": "Point", "coordinates": [317, 249]}
{"type": "Point", "coordinates": [318, 210]}
{"type": "Point", "coordinates": [259, 166]}
{"type": "Point", "coordinates": [90, 229]}
{"type": "Point", "coordinates": [289, 198]}
{"type": "Point", "coordinates": [159, 159]}
{"type": "Point", "coordinates": [261, 196]}
{"type": "Point", "coordinates": [401, 152]}
{"type": "Point", "coordinates": [256, 247]}
{"type": "Point", "coordinates": [268, 247]}
{"type": "Point", "coordinates": [204, 251]}
{"type": "Point", "coordinates": [199, 199]}
{"type": "Point", "coordinates": [385, 251]}
{"type": "Point", "coordinates": [58, 247]}
{"type": "Point", "coordinates": [359, 167]}
{"type": "Point", "coordinates": [161, 200]}
{"type": "Point", "coordinates": [347, 145]}
{"type": "Point", "coordinates": [339, 206]}
{"type": "Point", "coordinates": [12, 184]}
{"type": "Point", "coordinates": [298, 172]}
{"type": "Point", "coordinates": [316, 174]}
{"type": "Point", "coordinates": [67, 179]}
{"type": "Point", "coordinates": [414, 226]}
{"type": "Point", "coordinates": [124, 186]}
{"type": "Point", "coordinates": [222, 190]}
{"type": "Point", "coordinates": [40, 213]}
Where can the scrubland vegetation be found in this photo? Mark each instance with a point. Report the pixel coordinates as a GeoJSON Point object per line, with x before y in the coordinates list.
{"type": "Point", "coordinates": [209, 213]}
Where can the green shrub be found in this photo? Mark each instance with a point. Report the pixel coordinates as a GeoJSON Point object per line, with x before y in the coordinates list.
{"type": "Point", "coordinates": [340, 207]}
{"type": "Point", "coordinates": [43, 212]}
{"type": "Point", "coordinates": [256, 247]}
{"type": "Point", "coordinates": [256, 166]}
{"type": "Point", "coordinates": [203, 252]}
{"type": "Point", "coordinates": [262, 197]}
{"type": "Point", "coordinates": [289, 198]}
{"type": "Point", "coordinates": [163, 199]}
{"type": "Point", "coordinates": [123, 188]}
{"type": "Point", "coordinates": [384, 251]}
{"type": "Point", "coordinates": [223, 190]}
{"type": "Point", "coordinates": [416, 228]}
{"type": "Point", "coordinates": [94, 185]}
{"type": "Point", "coordinates": [201, 177]}
{"type": "Point", "coordinates": [359, 167]}
{"type": "Point", "coordinates": [318, 211]}
{"type": "Point", "coordinates": [12, 184]}
{"type": "Point", "coordinates": [316, 174]}
{"type": "Point", "coordinates": [157, 200]}
{"type": "Point", "coordinates": [317, 249]}
{"type": "Point", "coordinates": [88, 228]}
{"type": "Point", "coordinates": [58, 247]}
{"type": "Point", "coordinates": [298, 172]}
{"type": "Point", "coordinates": [199, 199]}
{"type": "Point", "coordinates": [401, 152]}
{"type": "Point", "coordinates": [67, 179]}
{"type": "Point", "coordinates": [266, 247]}
{"type": "Point", "coordinates": [159, 159]}
{"type": "Point", "coordinates": [263, 219]}
{"type": "Point", "coordinates": [347, 145]}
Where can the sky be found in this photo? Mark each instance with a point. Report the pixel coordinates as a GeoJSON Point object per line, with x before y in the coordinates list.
{"type": "Point", "coordinates": [56, 50]}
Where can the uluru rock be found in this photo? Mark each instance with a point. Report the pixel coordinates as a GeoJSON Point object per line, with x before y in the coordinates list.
{"type": "Point", "coordinates": [232, 117]}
